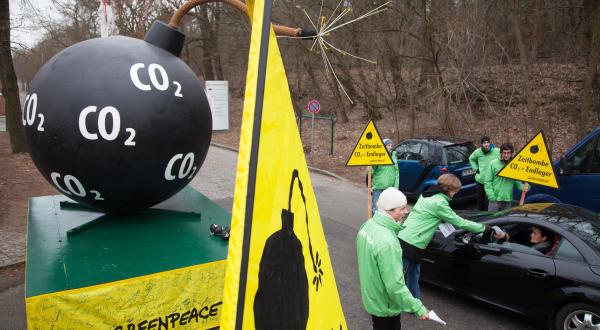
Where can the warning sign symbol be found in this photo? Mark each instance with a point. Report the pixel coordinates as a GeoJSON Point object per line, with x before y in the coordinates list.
{"type": "Point", "coordinates": [532, 164]}
{"type": "Point", "coordinates": [370, 149]}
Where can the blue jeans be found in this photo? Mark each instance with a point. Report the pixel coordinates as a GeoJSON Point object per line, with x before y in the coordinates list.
{"type": "Point", "coordinates": [412, 272]}
{"type": "Point", "coordinates": [374, 199]}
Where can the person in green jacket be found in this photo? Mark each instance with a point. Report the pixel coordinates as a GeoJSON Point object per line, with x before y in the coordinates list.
{"type": "Point", "coordinates": [431, 209]}
{"type": "Point", "coordinates": [383, 291]}
{"type": "Point", "coordinates": [500, 190]}
{"type": "Point", "coordinates": [479, 160]}
{"type": "Point", "coordinates": [384, 176]}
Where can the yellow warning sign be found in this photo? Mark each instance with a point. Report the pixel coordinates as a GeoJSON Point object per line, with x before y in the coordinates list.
{"type": "Point", "coordinates": [370, 149]}
{"type": "Point", "coordinates": [532, 164]}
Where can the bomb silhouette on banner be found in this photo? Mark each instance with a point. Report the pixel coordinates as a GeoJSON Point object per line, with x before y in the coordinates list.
{"type": "Point", "coordinates": [118, 124]}
{"type": "Point", "coordinates": [281, 301]}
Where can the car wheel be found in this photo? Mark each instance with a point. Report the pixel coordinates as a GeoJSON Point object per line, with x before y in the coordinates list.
{"type": "Point", "coordinates": [577, 316]}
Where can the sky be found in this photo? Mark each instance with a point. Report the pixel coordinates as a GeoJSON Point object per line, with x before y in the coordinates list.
{"type": "Point", "coordinates": [24, 31]}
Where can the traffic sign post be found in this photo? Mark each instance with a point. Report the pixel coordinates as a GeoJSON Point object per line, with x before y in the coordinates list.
{"type": "Point", "coordinates": [313, 107]}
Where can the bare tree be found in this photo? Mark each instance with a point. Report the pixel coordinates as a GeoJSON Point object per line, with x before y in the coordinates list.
{"type": "Point", "coordinates": [525, 67]}
{"type": "Point", "coordinates": [8, 78]}
{"type": "Point", "coordinates": [593, 25]}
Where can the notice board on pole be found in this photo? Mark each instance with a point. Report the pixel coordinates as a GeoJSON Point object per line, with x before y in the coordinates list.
{"type": "Point", "coordinates": [217, 92]}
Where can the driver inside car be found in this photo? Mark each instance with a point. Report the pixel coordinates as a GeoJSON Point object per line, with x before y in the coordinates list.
{"type": "Point", "coordinates": [540, 238]}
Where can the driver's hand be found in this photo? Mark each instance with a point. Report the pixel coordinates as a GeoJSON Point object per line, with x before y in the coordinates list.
{"type": "Point", "coordinates": [425, 316]}
{"type": "Point", "coordinates": [500, 236]}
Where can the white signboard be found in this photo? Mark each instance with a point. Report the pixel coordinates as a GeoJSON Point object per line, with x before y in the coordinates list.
{"type": "Point", "coordinates": [217, 92]}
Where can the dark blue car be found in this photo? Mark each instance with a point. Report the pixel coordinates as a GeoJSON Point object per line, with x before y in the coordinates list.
{"type": "Point", "coordinates": [422, 160]}
{"type": "Point", "coordinates": [578, 176]}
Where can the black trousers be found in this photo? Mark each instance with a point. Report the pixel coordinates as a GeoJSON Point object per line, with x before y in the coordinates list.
{"type": "Point", "coordinates": [482, 201]}
{"type": "Point", "coordinates": [386, 323]}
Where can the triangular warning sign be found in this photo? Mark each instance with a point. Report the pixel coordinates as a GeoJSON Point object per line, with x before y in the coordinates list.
{"type": "Point", "coordinates": [369, 149]}
{"type": "Point", "coordinates": [532, 164]}
{"type": "Point", "coordinates": [279, 272]}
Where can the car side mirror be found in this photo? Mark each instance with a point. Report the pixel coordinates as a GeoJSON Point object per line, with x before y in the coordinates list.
{"type": "Point", "coordinates": [466, 238]}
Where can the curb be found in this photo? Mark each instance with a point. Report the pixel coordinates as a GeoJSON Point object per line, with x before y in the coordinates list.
{"type": "Point", "coordinates": [312, 169]}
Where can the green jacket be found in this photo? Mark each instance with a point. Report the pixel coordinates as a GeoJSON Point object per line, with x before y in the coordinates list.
{"type": "Point", "coordinates": [499, 189]}
{"type": "Point", "coordinates": [426, 216]}
{"type": "Point", "coordinates": [479, 162]}
{"type": "Point", "coordinates": [385, 176]}
{"type": "Point", "coordinates": [382, 286]}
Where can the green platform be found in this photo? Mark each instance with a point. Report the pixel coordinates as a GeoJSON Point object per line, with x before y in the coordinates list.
{"type": "Point", "coordinates": [113, 248]}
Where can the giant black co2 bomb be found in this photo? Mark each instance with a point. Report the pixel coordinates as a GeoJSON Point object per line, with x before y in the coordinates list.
{"type": "Point", "coordinates": [118, 124]}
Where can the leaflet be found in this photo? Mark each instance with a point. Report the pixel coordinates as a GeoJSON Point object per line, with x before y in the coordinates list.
{"type": "Point", "coordinates": [435, 318]}
{"type": "Point", "coordinates": [446, 229]}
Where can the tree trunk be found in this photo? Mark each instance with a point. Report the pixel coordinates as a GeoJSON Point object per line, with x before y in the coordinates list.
{"type": "Point", "coordinates": [8, 79]}
{"type": "Point", "coordinates": [207, 43]}
{"type": "Point", "coordinates": [537, 33]}
{"type": "Point", "coordinates": [590, 72]}
{"type": "Point", "coordinates": [531, 107]}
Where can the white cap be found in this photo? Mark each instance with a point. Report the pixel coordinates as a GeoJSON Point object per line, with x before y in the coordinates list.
{"type": "Point", "coordinates": [391, 198]}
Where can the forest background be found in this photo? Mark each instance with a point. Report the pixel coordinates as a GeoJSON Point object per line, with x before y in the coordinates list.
{"type": "Point", "coordinates": [502, 68]}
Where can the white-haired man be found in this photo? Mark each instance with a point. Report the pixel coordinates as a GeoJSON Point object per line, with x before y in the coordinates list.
{"type": "Point", "coordinates": [383, 291]}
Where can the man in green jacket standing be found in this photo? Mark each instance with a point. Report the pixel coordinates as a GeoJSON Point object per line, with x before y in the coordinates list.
{"type": "Point", "coordinates": [500, 190]}
{"type": "Point", "coordinates": [384, 176]}
{"type": "Point", "coordinates": [479, 160]}
{"type": "Point", "coordinates": [431, 209]}
{"type": "Point", "coordinates": [384, 294]}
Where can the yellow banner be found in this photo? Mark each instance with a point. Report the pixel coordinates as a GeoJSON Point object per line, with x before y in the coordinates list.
{"type": "Point", "coordinates": [369, 149]}
{"type": "Point", "coordinates": [532, 164]}
{"type": "Point", "coordinates": [185, 298]}
{"type": "Point", "coordinates": [279, 274]}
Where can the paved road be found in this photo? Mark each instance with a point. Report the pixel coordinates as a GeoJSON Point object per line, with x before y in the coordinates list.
{"type": "Point", "coordinates": [342, 205]}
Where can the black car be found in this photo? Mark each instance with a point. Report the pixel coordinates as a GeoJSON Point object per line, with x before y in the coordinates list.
{"type": "Point", "coordinates": [559, 288]}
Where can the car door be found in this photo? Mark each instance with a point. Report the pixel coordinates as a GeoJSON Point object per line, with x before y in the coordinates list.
{"type": "Point", "coordinates": [509, 274]}
{"type": "Point", "coordinates": [437, 265]}
{"type": "Point", "coordinates": [410, 168]}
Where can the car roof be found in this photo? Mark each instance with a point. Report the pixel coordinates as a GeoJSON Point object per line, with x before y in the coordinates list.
{"type": "Point", "coordinates": [443, 140]}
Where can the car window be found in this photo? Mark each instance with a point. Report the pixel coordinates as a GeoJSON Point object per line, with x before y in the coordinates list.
{"type": "Point", "coordinates": [581, 161]}
{"type": "Point", "coordinates": [408, 151]}
{"type": "Point", "coordinates": [566, 251]}
{"type": "Point", "coordinates": [589, 232]}
{"type": "Point", "coordinates": [458, 153]}
{"type": "Point", "coordinates": [520, 239]}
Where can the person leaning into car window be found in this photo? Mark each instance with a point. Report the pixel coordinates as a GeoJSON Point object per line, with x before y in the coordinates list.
{"type": "Point", "coordinates": [499, 190]}
{"type": "Point", "coordinates": [384, 176]}
{"type": "Point", "coordinates": [480, 160]}
{"type": "Point", "coordinates": [540, 237]}
{"type": "Point", "coordinates": [430, 210]}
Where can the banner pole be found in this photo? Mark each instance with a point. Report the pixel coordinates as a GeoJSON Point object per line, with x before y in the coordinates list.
{"type": "Point", "coordinates": [370, 192]}
{"type": "Point", "coordinates": [523, 193]}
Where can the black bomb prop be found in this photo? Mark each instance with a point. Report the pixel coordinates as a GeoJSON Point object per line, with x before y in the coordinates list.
{"type": "Point", "coordinates": [118, 124]}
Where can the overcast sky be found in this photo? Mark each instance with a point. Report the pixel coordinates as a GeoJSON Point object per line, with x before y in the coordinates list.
{"type": "Point", "coordinates": [25, 31]}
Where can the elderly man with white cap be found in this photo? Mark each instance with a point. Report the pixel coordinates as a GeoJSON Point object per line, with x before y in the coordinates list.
{"type": "Point", "coordinates": [384, 176]}
{"type": "Point", "coordinates": [384, 293]}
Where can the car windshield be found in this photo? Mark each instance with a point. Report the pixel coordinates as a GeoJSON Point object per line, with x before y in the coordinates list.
{"type": "Point", "coordinates": [589, 231]}
{"type": "Point", "coordinates": [458, 153]}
